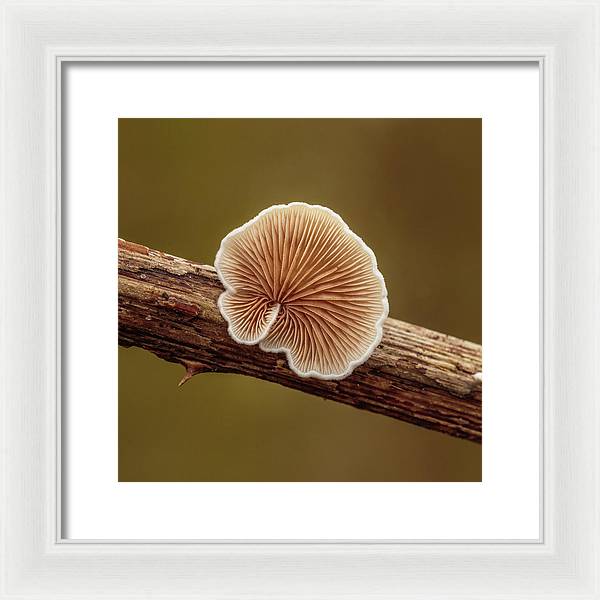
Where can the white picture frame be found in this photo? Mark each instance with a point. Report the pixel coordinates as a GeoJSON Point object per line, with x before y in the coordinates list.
{"type": "Point", "coordinates": [38, 37]}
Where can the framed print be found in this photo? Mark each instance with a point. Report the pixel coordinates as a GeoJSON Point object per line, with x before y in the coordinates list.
{"type": "Point", "coordinates": [365, 239]}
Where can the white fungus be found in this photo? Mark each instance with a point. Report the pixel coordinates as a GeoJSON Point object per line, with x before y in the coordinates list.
{"type": "Point", "coordinates": [298, 280]}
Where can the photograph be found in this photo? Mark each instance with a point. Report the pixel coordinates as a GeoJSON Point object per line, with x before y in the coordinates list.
{"type": "Point", "coordinates": [315, 283]}
{"type": "Point", "coordinates": [253, 254]}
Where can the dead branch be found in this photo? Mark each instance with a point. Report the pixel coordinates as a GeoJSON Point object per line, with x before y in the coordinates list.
{"type": "Point", "coordinates": [168, 305]}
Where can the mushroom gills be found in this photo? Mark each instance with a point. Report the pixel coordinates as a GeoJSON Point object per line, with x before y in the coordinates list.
{"type": "Point", "coordinates": [298, 280]}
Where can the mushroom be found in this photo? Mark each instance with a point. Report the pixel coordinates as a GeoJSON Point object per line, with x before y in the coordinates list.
{"type": "Point", "coordinates": [298, 280]}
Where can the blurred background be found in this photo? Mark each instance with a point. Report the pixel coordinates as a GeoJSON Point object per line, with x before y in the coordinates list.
{"type": "Point", "coordinates": [411, 188]}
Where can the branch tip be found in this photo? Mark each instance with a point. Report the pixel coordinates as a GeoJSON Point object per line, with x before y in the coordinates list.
{"type": "Point", "coordinates": [191, 369]}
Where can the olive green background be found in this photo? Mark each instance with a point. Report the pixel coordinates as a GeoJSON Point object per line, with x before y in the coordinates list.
{"type": "Point", "coordinates": [411, 188]}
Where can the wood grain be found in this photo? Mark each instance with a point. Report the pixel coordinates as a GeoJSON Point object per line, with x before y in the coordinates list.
{"type": "Point", "coordinates": [168, 305]}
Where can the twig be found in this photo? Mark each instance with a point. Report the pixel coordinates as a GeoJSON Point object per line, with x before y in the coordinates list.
{"type": "Point", "coordinates": [168, 305]}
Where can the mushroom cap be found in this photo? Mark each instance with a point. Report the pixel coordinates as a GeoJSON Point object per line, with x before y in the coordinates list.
{"type": "Point", "coordinates": [298, 280]}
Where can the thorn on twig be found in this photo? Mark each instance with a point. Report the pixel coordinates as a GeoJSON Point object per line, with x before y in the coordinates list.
{"type": "Point", "coordinates": [191, 369]}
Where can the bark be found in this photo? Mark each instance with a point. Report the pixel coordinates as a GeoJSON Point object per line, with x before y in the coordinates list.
{"type": "Point", "coordinates": [168, 305]}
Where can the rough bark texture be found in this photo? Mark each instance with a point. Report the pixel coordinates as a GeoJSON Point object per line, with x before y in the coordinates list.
{"type": "Point", "coordinates": [168, 305]}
